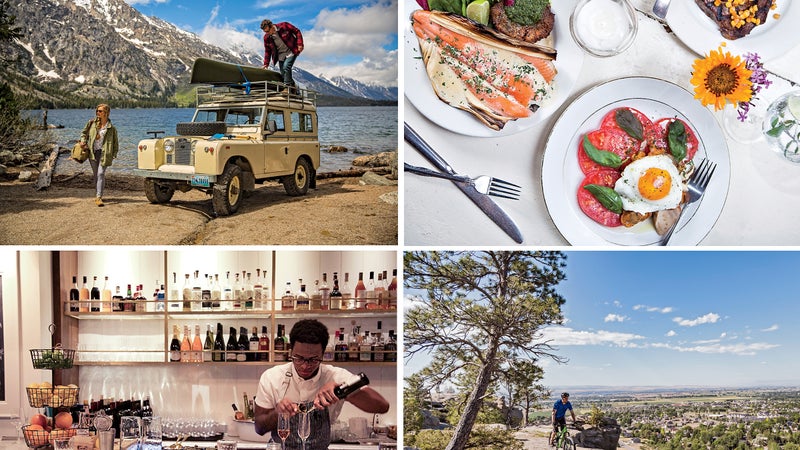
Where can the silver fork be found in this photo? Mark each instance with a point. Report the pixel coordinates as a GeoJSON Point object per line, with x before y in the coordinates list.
{"type": "Point", "coordinates": [483, 184]}
{"type": "Point", "coordinates": [660, 9]}
{"type": "Point", "coordinates": [697, 186]}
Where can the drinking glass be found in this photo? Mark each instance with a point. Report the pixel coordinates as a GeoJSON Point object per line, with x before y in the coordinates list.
{"type": "Point", "coordinates": [304, 427]}
{"type": "Point", "coordinates": [61, 443]}
{"type": "Point", "coordinates": [130, 431]}
{"type": "Point", "coordinates": [151, 433]}
{"type": "Point", "coordinates": [782, 126]}
{"type": "Point", "coordinates": [283, 428]}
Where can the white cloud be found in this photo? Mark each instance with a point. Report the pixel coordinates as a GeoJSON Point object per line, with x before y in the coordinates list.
{"type": "Point", "coordinates": [615, 318]}
{"type": "Point", "coordinates": [774, 327]}
{"type": "Point", "coordinates": [662, 310]}
{"type": "Point", "coordinates": [718, 348]}
{"type": "Point", "coordinates": [569, 336]}
{"type": "Point", "coordinates": [708, 318]}
{"type": "Point", "coordinates": [671, 333]}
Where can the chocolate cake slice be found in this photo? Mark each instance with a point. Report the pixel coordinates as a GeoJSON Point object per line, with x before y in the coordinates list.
{"type": "Point", "coordinates": [736, 18]}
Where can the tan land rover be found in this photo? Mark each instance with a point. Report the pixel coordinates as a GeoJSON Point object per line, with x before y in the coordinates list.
{"type": "Point", "coordinates": [242, 133]}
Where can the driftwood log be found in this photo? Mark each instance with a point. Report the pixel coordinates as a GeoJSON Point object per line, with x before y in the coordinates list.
{"type": "Point", "coordinates": [354, 172]}
{"type": "Point", "coordinates": [48, 168]}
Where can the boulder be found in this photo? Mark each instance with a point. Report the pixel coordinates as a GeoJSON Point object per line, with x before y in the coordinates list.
{"type": "Point", "coordinates": [605, 435]}
{"type": "Point", "coordinates": [25, 175]}
{"type": "Point", "coordinates": [373, 179]}
{"type": "Point", "coordinates": [383, 159]}
{"type": "Point", "coordinates": [337, 149]}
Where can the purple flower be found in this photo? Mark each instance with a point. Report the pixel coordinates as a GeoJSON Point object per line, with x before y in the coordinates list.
{"type": "Point", "coordinates": [759, 79]}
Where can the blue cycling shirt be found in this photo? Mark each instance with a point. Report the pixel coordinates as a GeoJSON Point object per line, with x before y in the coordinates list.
{"type": "Point", "coordinates": [561, 408]}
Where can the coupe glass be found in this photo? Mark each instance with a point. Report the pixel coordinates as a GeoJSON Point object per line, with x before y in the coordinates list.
{"type": "Point", "coordinates": [284, 428]}
{"type": "Point", "coordinates": [782, 126]}
{"type": "Point", "coordinates": [304, 427]}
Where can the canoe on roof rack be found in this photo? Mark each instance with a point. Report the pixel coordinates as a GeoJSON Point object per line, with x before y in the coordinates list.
{"type": "Point", "coordinates": [210, 71]}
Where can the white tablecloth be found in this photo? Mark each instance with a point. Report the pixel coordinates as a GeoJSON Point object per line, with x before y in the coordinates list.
{"type": "Point", "coordinates": [763, 201]}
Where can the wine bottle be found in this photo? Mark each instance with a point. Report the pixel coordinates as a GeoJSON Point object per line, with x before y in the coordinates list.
{"type": "Point", "coordinates": [249, 293]}
{"type": "Point", "coordinates": [380, 291]}
{"type": "Point", "coordinates": [175, 346]}
{"type": "Point", "coordinates": [280, 346]}
{"type": "Point", "coordinates": [128, 304]}
{"type": "Point", "coordinates": [94, 295]}
{"type": "Point", "coordinates": [391, 348]}
{"type": "Point", "coordinates": [219, 345]}
{"type": "Point", "coordinates": [369, 296]}
{"type": "Point", "coordinates": [187, 294]}
{"type": "Point", "coordinates": [392, 290]}
{"type": "Point", "coordinates": [263, 344]}
{"type": "Point", "coordinates": [105, 297]}
{"type": "Point", "coordinates": [117, 300]}
{"type": "Point", "coordinates": [74, 296]}
{"type": "Point", "coordinates": [345, 389]}
{"type": "Point", "coordinates": [186, 346]}
{"type": "Point", "coordinates": [325, 293]}
{"type": "Point", "coordinates": [336, 295]}
{"type": "Point", "coordinates": [253, 346]}
{"type": "Point", "coordinates": [237, 293]}
{"type": "Point", "coordinates": [348, 302]}
{"type": "Point", "coordinates": [232, 348]}
{"type": "Point", "coordinates": [197, 293]}
{"type": "Point", "coordinates": [243, 344]}
{"type": "Point", "coordinates": [83, 297]}
{"type": "Point", "coordinates": [216, 293]}
{"type": "Point", "coordinates": [197, 345]}
{"type": "Point", "coordinates": [340, 351]}
{"type": "Point", "coordinates": [208, 346]}
{"type": "Point", "coordinates": [205, 295]}
{"type": "Point", "coordinates": [360, 292]}
{"type": "Point", "coordinates": [227, 293]}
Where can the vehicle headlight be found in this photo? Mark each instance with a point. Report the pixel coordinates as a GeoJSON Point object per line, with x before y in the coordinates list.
{"type": "Point", "coordinates": [169, 145]}
{"type": "Point", "coordinates": [194, 145]}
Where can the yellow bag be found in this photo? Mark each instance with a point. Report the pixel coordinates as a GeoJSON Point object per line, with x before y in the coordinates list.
{"type": "Point", "coordinates": [79, 153]}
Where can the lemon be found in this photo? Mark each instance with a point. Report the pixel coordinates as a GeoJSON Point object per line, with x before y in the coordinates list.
{"type": "Point", "coordinates": [478, 11]}
{"type": "Point", "coordinates": [794, 106]}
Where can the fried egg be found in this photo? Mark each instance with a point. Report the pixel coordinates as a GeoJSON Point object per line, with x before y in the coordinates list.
{"type": "Point", "coordinates": [649, 184]}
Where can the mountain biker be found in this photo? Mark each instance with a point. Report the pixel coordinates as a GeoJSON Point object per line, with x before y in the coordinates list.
{"type": "Point", "coordinates": [559, 415]}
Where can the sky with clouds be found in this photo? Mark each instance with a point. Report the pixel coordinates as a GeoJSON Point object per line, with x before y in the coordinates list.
{"type": "Point", "coordinates": [676, 318]}
{"type": "Point", "coordinates": [351, 38]}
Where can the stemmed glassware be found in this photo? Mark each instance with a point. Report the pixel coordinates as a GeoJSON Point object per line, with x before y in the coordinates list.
{"type": "Point", "coordinates": [283, 428]}
{"type": "Point", "coordinates": [304, 428]}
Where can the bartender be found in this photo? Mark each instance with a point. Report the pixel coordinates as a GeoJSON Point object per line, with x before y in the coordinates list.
{"type": "Point", "coordinates": [306, 384]}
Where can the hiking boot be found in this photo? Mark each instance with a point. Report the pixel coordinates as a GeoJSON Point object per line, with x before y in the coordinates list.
{"type": "Point", "coordinates": [98, 201]}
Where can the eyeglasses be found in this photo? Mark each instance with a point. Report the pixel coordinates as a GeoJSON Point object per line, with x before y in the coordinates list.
{"type": "Point", "coordinates": [309, 361]}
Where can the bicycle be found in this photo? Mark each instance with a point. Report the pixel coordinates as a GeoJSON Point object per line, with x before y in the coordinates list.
{"type": "Point", "coordinates": [563, 439]}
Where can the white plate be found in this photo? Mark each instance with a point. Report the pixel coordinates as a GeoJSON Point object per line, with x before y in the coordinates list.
{"type": "Point", "coordinates": [561, 174]}
{"type": "Point", "coordinates": [418, 88]}
{"type": "Point", "coordinates": [770, 40]}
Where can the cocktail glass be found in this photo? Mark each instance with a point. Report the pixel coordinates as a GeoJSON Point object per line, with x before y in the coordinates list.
{"type": "Point", "coordinates": [304, 428]}
{"type": "Point", "coordinates": [284, 428]}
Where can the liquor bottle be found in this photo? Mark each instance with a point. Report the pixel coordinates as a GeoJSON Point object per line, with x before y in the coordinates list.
{"type": "Point", "coordinates": [253, 355]}
{"type": "Point", "coordinates": [227, 293]}
{"type": "Point", "coordinates": [161, 300]}
{"type": "Point", "coordinates": [205, 295]}
{"type": "Point", "coordinates": [280, 346]}
{"type": "Point", "coordinates": [186, 346]}
{"type": "Point", "coordinates": [208, 346]}
{"type": "Point", "coordinates": [346, 389]}
{"type": "Point", "coordinates": [117, 300]}
{"type": "Point", "coordinates": [369, 298]}
{"type": "Point", "coordinates": [74, 296]}
{"type": "Point", "coordinates": [248, 413]}
{"type": "Point", "coordinates": [325, 293]}
{"type": "Point", "coordinates": [94, 295]}
{"type": "Point", "coordinates": [83, 297]}
{"type": "Point", "coordinates": [327, 356]}
{"type": "Point", "coordinates": [265, 292]}
{"type": "Point", "coordinates": [336, 296]}
{"type": "Point", "coordinates": [128, 304]}
{"type": "Point", "coordinates": [302, 302]}
{"type": "Point", "coordinates": [249, 293]}
{"type": "Point", "coordinates": [380, 291]}
{"type": "Point", "coordinates": [237, 293]}
{"type": "Point", "coordinates": [174, 298]}
{"type": "Point", "coordinates": [147, 410]}
{"type": "Point", "coordinates": [378, 346]}
{"type": "Point", "coordinates": [219, 345]}
{"type": "Point", "coordinates": [263, 344]}
{"type": "Point", "coordinates": [243, 345]}
{"type": "Point", "coordinates": [287, 301]}
{"type": "Point", "coordinates": [352, 344]}
{"type": "Point", "coordinates": [340, 351]}
{"type": "Point", "coordinates": [187, 294]}
{"type": "Point", "coordinates": [348, 302]}
{"type": "Point", "coordinates": [216, 293]}
{"type": "Point", "coordinates": [105, 297]}
{"type": "Point", "coordinates": [175, 346]}
{"type": "Point", "coordinates": [140, 299]}
{"type": "Point", "coordinates": [197, 345]}
{"type": "Point", "coordinates": [365, 347]}
{"type": "Point", "coordinates": [360, 292]}
{"type": "Point", "coordinates": [258, 290]}
{"type": "Point", "coordinates": [392, 290]}
{"type": "Point", "coordinates": [316, 298]}
{"type": "Point", "coordinates": [391, 348]}
{"type": "Point", "coordinates": [197, 292]}
{"type": "Point", "coordinates": [232, 348]}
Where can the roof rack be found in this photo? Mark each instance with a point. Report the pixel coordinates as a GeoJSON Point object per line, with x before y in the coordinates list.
{"type": "Point", "coordinates": [269, 92]}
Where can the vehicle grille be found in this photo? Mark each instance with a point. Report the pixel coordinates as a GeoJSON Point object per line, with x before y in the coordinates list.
{"type": "Point", "coordinates": [182, 154]}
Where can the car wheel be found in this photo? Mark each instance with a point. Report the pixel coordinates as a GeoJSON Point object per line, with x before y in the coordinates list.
{"type": "Point", "coordinates": [200, 128]}
{"type": "Point", "coordinates": [157, 192]}
{"type": "Point", "coordinates": [297, 183]}
{"type": "Point", "coordinates": [227, 193]}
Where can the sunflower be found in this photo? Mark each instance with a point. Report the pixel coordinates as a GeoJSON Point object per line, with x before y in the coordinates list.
{"type": "Point", "coordinates": [720, 78]}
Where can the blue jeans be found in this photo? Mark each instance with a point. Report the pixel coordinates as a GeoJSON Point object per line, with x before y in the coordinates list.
{"type": "Point", "coordinates": [99, 173]}
{"type": "Point", "coordinates": [286, 69]}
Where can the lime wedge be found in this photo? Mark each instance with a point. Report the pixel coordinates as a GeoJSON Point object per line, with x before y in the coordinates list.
{"type": "Point", "coordinates": [478, 11]}
{"type": "Point", "coordinates": [794, 106]}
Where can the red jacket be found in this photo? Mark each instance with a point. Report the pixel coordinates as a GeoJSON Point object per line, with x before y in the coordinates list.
{"type": "Point", "coordinates": [291, 37]}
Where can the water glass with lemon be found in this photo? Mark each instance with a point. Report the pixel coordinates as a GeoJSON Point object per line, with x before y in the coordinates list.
{"type": "Point", "coordinates": [781, 126]}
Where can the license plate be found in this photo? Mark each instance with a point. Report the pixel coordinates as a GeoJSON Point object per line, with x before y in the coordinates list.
{"type": "Point", "coordinates": [200, 180]}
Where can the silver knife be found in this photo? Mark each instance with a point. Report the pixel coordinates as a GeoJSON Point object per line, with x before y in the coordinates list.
{"type": "Point", "coordinates": [483, 201]}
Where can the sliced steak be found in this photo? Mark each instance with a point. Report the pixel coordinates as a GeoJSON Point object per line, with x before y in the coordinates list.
{"type": "Point", "coordinates": [532, 33]}
{"type": "Point", "coordinates": [722, 16]}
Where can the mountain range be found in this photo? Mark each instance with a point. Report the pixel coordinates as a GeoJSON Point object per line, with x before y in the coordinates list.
{"type": "Point", "coordinates": [106, 49]}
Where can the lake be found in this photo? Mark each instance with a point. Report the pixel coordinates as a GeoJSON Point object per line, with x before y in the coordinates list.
{"type": "Point", "coordinates": [362, 130]}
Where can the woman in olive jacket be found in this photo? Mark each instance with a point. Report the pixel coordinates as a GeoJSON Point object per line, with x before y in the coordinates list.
{"type": "Point", "coordinates": [100, 136]}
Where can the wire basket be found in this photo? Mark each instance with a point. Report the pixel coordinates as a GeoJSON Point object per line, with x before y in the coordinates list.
{"type": "Point", "coordinates": [36, 438]}
{"type": "Point", "coordinates": [58, 396]}
{"type": "Point", "coordinates": [52, 358]}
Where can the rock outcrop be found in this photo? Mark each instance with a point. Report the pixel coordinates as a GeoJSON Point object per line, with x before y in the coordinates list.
{"type": "Point", "coordinates": [605, 435]}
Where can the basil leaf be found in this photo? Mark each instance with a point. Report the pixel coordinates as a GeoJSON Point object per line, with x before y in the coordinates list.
{"type": "Point", "coordinates": [606, 196]}
{"type": "Point", "coordinates": [629, 123]}
{"type": "Point", "coordinates": [602, 157]}
{"type": "Point", "coordinates": [676, 138]}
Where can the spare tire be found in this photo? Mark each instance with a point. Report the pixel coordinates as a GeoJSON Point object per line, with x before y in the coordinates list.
{"type": "Point", "coordinates": [200, 128]}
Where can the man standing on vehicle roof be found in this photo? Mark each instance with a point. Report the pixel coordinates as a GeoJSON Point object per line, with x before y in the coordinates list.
{"type": "Point", "coordinates": [283, 43]}
{"type": "Point", "coordinates": [560, 415]}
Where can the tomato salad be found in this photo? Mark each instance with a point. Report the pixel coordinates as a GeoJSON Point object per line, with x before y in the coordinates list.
{"type": "Point", "coordinates": [627, 135]}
